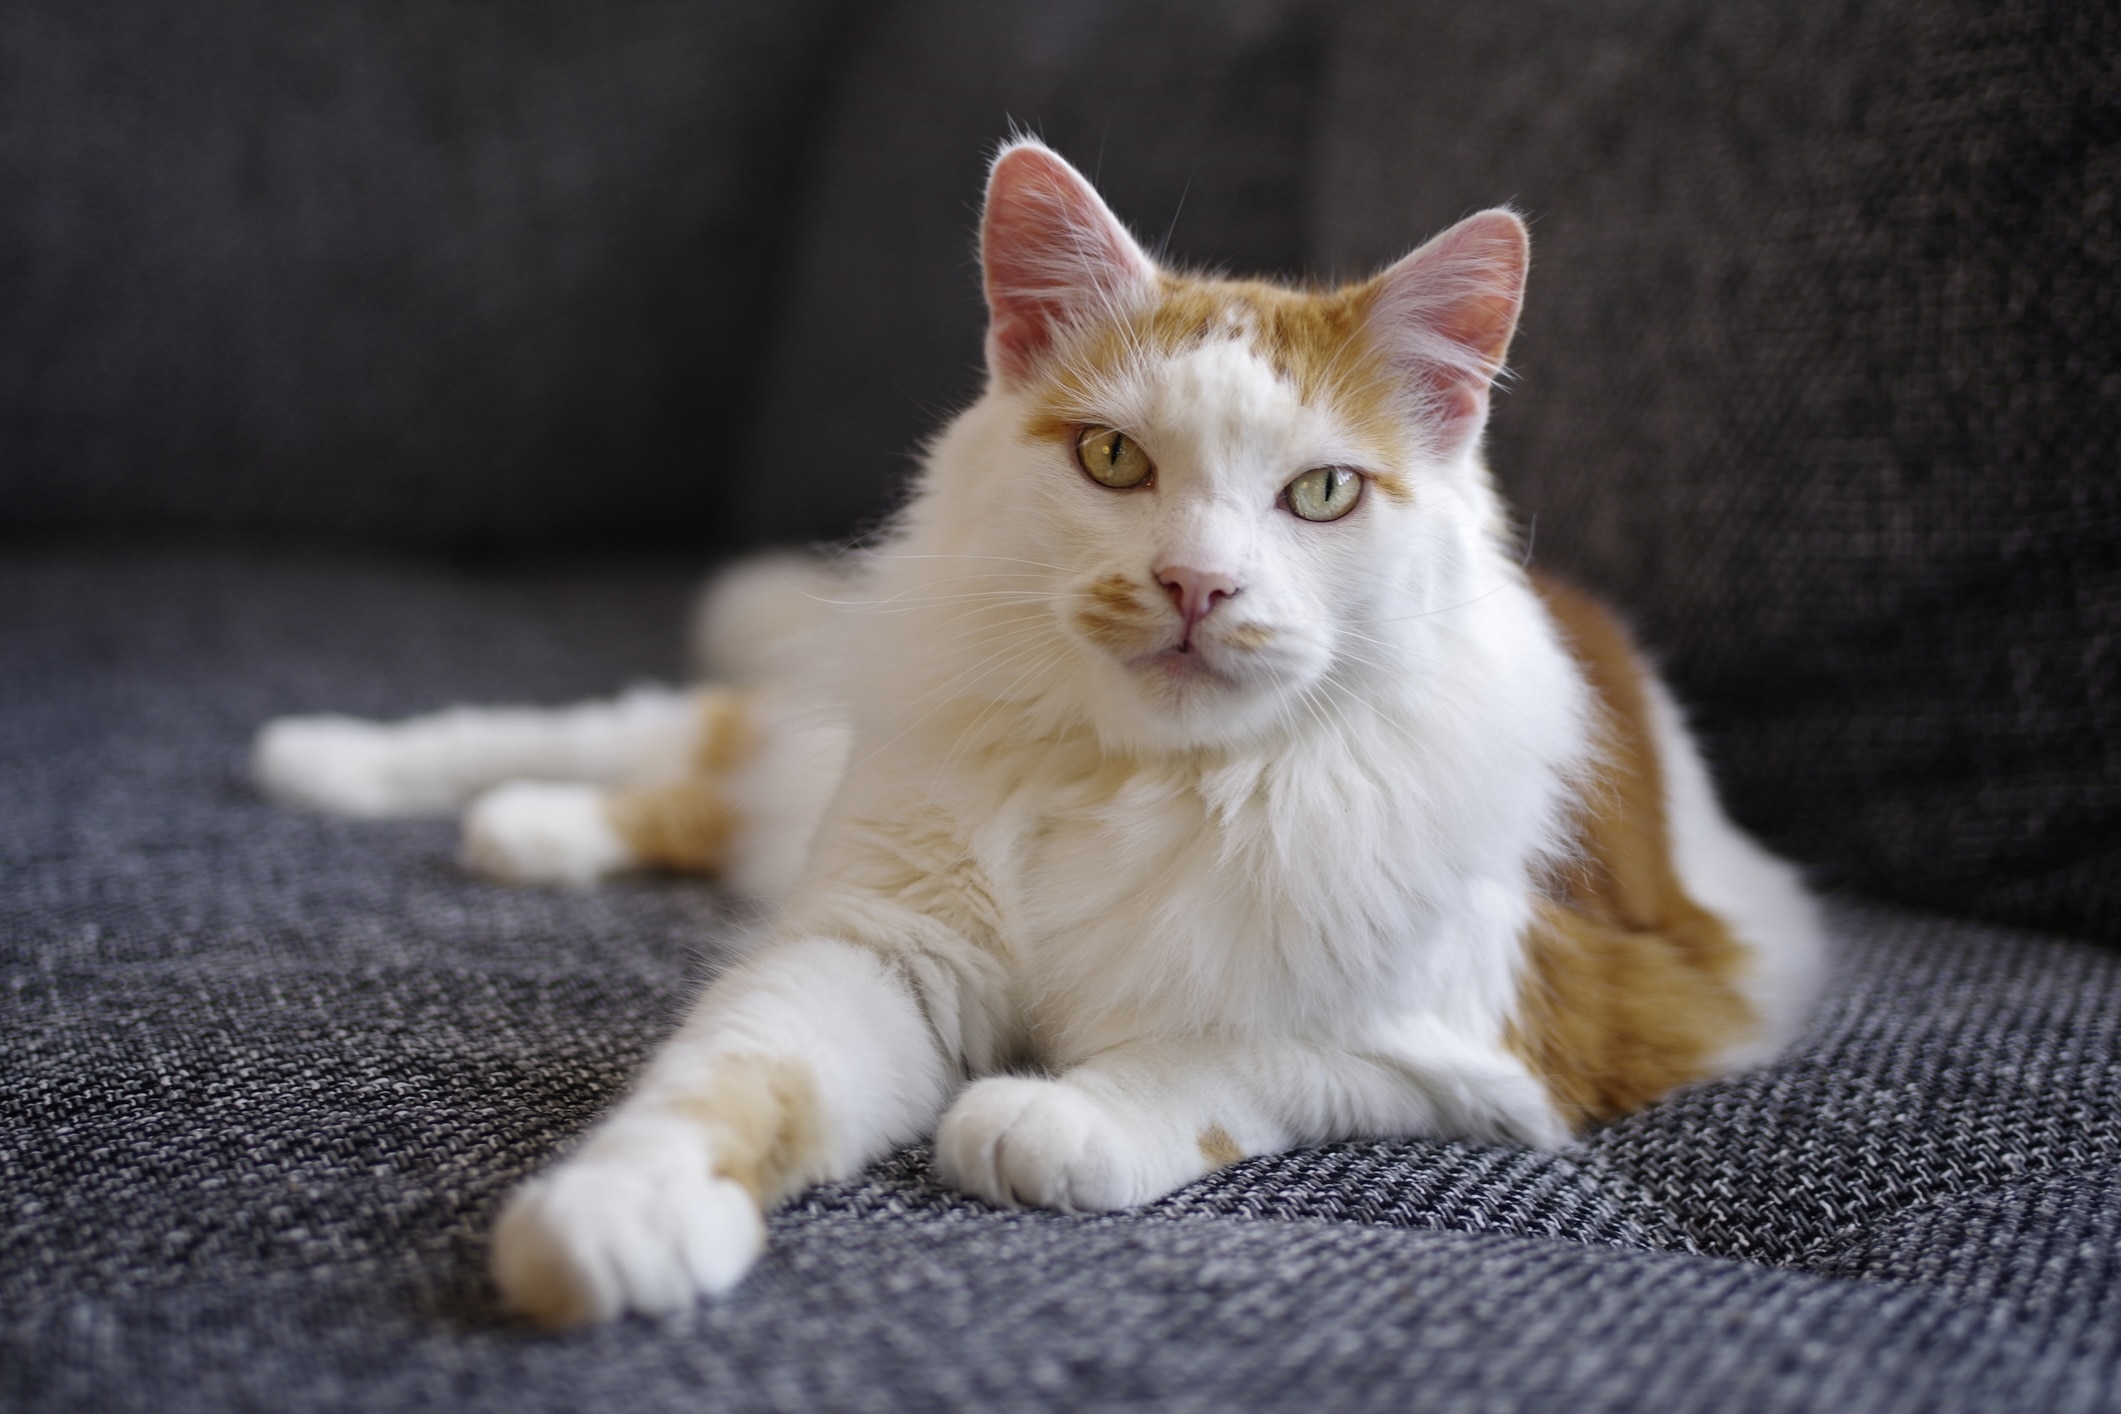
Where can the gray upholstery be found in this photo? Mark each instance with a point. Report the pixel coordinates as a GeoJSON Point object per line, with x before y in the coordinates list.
{"type": "Point", "coordinates": [1816, 381]}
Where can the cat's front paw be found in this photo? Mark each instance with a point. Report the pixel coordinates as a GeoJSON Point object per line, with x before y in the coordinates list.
{"type": "Point", "coordinates": [649, 1230]}
{"type": "Point", "coordinates": [1047, 1144]}
{"type": "Point", "coordinates": [543, 832]}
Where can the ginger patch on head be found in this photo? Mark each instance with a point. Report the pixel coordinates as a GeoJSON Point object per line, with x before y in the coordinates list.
{"type": "Point", "coordinates": [1317, 341]}
{"type": "Point", "coordinates": [1629, 987]}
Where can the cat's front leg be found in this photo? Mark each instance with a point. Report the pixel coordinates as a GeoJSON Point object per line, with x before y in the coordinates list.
{"type": "Point", "coordinates": [1142, 1119]}
{"type": "Point", "coordinates": [806, 1063]}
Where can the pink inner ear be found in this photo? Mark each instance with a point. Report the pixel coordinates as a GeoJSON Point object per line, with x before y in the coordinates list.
{"type": "Point", "coordinates": [1052, 252]}
{"type": "Point", "coordinates": [1446, 313]}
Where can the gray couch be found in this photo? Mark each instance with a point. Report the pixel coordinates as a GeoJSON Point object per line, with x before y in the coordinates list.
{"type": "Point", "coordinates": [381, 355]}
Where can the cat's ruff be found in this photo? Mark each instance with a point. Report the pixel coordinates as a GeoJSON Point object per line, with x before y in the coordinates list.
{"type": "Point", "coordinates": [1191, 772]}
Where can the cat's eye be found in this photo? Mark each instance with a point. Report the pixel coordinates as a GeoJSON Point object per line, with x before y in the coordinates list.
{"type": "Point", "coordinates": [1113, 458]}
{"type": "Point", "coordinates": [1324, 493]}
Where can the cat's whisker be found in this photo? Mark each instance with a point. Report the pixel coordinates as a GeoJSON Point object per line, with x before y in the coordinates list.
{"type": "Point", "coordinates": [943, 695]}
{"type": "Point", "coordinates": [1001, 559]}
{"type": "Point", "coordinates": [1433, 613]}
{"type": "Point", "coordinates": [908, 606]}
{"type": "Point", "coordinates": [965, 735]}
{"type": "Point", "coordinates": [968, 638]}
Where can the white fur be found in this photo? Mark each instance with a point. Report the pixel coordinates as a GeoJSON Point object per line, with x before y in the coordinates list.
{"type": "Point", "coordinates": [433, 765]}
{"type": "Point", "coordinates": [780, 791]}
{"type": "Point", "coordinates": [1265, 891]}
{"type": "Point", "coordinates": [635, 1221]}
{"type": "Point", "coordinates": [543, 832]}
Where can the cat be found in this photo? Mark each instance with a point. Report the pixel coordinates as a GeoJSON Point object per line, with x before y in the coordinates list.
{"type": "Point", "coordinates": [1193, 771]}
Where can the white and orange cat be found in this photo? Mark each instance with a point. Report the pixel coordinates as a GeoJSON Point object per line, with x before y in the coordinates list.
{"type": "Point", "coordinates": [1192, 772]}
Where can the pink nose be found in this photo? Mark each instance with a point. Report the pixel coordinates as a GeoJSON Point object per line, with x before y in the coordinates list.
{"type": "Point", "coordinates": [1195, 592]}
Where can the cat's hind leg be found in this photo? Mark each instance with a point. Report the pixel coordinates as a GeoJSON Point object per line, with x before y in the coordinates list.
{"type": "Point", "coordinates": [805, 1063]}
{"type": "Point", "coordinates": [435, 764]}
{"type": "Point", "coordinates": [576, 832]}
{"type": "Point", "coordinates": [760, 773]}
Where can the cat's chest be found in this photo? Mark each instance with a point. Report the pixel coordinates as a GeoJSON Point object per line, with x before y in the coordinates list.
{"type": "Point", "coordinates": [1167, 899]}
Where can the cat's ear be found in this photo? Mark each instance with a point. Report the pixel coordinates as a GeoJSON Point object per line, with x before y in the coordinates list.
{"type": "Point", "coordinates": [1052, 253]}
{"type": "Point", "coordinates": [1444, 315]}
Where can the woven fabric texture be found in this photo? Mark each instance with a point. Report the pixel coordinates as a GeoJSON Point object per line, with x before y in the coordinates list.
{"type": "Point", "coordinates": [413, 271]}
{"type": "Point", "coordinates": [270, 1075]}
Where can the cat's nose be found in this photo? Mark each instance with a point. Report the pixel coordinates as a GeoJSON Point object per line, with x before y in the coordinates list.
{"type": "Point", "coordinates": [1195, 592]}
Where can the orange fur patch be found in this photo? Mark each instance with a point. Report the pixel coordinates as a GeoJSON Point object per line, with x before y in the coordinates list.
{"type": "Point", "coordinates": [726, 732]}
{"type": "Point", "coordinates": [1113, 616]}
{"type": "Point", "coordinates": [1394, 486]}
{"type": "Point", "coordinates": [1629, 986]}
{"type": "Point", "coordinates": [1218, 1148]}
{"type": "Point", "coordinates": [764, 1127]}
{"type": "Point", "coordinates": [1114, 592]}
{"type": "Point", "coordinates": [685, 826]}
{"type": "Point", "coordinates": [1317, 341]}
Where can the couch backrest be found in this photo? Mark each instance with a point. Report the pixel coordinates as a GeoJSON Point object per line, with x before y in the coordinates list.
{"type": "Point", "coordinates": [412, 271]}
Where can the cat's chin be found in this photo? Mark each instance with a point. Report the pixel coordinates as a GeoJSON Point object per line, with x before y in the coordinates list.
{"type": "Point", "coordinates": [1187, 699]}
{"type": "Point", "coordinates": [1185, 669]}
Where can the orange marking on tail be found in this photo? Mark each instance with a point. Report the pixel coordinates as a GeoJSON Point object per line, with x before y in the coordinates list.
{"type": "Point", "coordinates": [1629, 986]}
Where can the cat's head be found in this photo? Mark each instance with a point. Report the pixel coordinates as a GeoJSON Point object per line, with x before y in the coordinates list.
{"type": "Point", "coordinates": [1225, 494]}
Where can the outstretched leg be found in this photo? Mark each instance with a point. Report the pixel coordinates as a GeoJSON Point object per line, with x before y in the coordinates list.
{"type": "Point", "coordinates": [435, 764]}
{"type": "Point", "coordinates": [804, 1064]}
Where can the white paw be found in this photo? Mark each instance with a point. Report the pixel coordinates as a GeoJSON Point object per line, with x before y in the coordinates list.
{"type": "Point", "coordinates": [543, 832]}
{"type": "Point", "coordinates": [1047, 1144]}
{"type": "Point", "coordinates": [646, 1228]}
{"type": "Point", "coordinates": [344, 766]}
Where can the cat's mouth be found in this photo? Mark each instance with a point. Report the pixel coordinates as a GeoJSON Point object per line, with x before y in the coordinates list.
{"type": "Point", "coordinates": [1185, 661]}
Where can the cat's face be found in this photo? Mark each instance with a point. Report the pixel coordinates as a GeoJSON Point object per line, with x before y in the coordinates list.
{"type": "Point", "coordinates": [1231, 495]}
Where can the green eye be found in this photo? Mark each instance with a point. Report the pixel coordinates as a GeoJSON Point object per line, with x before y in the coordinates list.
{"type": "Point", "coordinates": [1113, 458]}
{"type": "Point", "coordinates": [1324, 493]}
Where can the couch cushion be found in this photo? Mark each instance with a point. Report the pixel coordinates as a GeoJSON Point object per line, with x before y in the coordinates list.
{"type": "Point", "coordinates": [1818, 379]}
{"type": "Point", "coordinates": [269, 1076]}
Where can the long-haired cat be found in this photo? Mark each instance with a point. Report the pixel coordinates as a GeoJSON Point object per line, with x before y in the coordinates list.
{"type": "Point", "coordinates": [1193, 771]}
